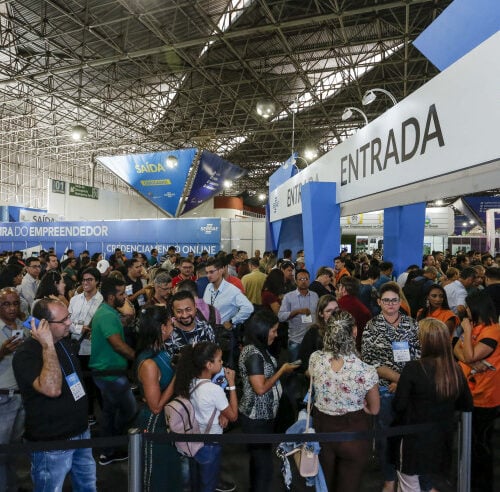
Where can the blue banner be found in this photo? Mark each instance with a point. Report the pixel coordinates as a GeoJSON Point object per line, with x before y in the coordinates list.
{"type": "Point", "coordinates": [159, 177]}
{"type": "Point", "coordinates": [479, 204]}
{"type": "Point", "coordinates": [462, 26]}
{"type": "Point", "coordinates": [209, 180]}
{"type": "Point", "coordinates": [104, 236]}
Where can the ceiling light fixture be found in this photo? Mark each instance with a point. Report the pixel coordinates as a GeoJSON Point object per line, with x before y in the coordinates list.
{"type": "Point", "coordinates": [172, 161]}
{"type": "Point", "coordinates": [228, 183]}
{"type": "Point", "coordinates": [310, 154]}
{"type": "Point", "coordinates": [266, 109]}
{"type": "Point", "coordinates": [78, 132]}
{"type": "Point", "coordinates": [370, 96]}
{"type": "Point", "coordinates": [347, 114]}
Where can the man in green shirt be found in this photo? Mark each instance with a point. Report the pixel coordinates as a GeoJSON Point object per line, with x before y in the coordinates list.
{"type": "Point", "coordinates": [108, 360]}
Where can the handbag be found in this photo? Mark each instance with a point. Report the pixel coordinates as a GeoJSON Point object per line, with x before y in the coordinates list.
{"type": "Point", "coordinates": [306, 460]}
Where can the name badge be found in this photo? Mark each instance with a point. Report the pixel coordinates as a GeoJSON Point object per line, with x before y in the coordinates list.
{"type": "Point", "coordinates": [141, 300]}
{"type": "Point", "coordinates": [307, 318]}
{"type": "Point", "coordinates": [401, 351]}
{"type": "Point", "coordinates": [78, 327]}
{"type": "Point", "coordinates": [75, 386]}
{"type": "Point", "coordinates": [129, 290]}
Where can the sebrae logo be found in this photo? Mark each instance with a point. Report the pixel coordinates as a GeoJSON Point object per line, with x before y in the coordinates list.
{"type": "Point", "coordinates": [276, 203]}
{"type": "Point", "coordinates": [209, 228]}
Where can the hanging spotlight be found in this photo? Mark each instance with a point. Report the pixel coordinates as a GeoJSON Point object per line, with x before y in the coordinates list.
{"type": "Point", "coordinates": [370, 96]}
{"type": "Point", "coordinates": [348, 112]}
{"type": "Point", "coordinates": [266, 109]}
{"type": "Point", "coordinates": [78, 132]}
{"type": "Point", "coordinates": [228, 183]}
{"type": "Point", "coordinates": [262, 197]}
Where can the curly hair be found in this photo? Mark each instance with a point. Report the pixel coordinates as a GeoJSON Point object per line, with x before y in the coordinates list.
{"type": "Point", "coordinates": [193, 359]}
{"type": "Point", "coordinates": [339, 339]}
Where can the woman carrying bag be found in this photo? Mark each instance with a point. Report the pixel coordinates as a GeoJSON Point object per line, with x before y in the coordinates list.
{"type": "Point", "coordinates": [345, 394]}
{"type": "Point", "coordinates": [261, 393]}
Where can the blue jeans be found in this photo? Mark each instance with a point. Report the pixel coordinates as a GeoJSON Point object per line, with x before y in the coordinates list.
{"type": "Point", "coordinates": [384, 421]}
{"type": "Point", "coordinates": [293, 351]}
{"type": "Point", "coordinates": [118, 407]}
{"type": "Point", "coordinates": [205, 468]}
{"type": "Point", "coordinates": [11, 430]}
{"type": "Point", "coordinates": [49, 469]}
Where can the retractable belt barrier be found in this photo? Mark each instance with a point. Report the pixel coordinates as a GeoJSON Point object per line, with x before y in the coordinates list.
{"type": "Point", "coordinates": [99, 442]}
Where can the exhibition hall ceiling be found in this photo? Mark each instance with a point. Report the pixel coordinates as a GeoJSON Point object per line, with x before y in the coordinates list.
{"type": "Point", "coordinates": [148, 75]}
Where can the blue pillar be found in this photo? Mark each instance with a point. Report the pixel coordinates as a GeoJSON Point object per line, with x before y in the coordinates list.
{"type": "Point", "coordinates": [320, 225]}
{"type": "Point", "coordinates": [404, 235]}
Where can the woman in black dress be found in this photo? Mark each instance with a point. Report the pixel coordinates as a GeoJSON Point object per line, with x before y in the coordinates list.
{"type": "Point", "coordinates": [429, 390]}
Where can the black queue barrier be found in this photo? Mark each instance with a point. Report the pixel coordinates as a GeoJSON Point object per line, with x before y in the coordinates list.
{"type": "Point", "coordinates": [136, 439]}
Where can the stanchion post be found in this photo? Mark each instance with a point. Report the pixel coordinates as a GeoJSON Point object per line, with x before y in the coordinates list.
{"type": "Point", "coordinates": [464, 450]}
{"type": "Point", "coordinates": [135, 457]}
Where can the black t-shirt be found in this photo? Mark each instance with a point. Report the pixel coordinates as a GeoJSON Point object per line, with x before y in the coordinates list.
{"type": "Point", "coordinates": [136, 286]}
{"type": "Point", "coordinates": [49, 418]}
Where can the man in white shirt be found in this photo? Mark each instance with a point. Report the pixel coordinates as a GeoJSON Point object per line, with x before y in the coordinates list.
{"type": "Point", "coordinates": [82, 308]}
{"type": "Point", "coordinates": [234, 307]}
{"type": "Point", "coordinates": [11, 407]}
{"type": "Point", "coordinates": [30, 282]}
{"type": "Point", "coordinates": [456, 291]}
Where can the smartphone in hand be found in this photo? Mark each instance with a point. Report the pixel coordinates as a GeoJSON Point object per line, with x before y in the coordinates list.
{"type": "Point", "coordinates": [27, 323]}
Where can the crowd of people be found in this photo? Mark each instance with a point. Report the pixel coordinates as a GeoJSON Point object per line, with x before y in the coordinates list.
{"type": "Point", "coordinates": [86, 339]}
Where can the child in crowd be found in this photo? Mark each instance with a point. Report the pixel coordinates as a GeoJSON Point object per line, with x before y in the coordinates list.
{"type": "Point", "coordinates": [196, 367]}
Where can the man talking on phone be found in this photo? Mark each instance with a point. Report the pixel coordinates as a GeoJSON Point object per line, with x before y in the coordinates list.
{"type": "Point", "coordinates": [11, 407]}
{"type": "Point", "coordinates": [48, 372]}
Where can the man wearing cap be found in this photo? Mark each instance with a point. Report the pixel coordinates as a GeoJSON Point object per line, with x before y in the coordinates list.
{"type": "Point", "coordinates": [11, 407]}
{"type": "Point", "coordinates": [104, 267]}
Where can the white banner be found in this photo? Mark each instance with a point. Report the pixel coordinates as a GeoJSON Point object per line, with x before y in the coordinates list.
{"type": "Point", "coordinates": [449, 124]}
{"type": "Point", "coordinates": [439, 221]}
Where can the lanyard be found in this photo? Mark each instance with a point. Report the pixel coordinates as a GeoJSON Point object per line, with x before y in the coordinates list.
{"type": "Point", "coordinates": [90, 303]}
{"type": "Point", "coordinates": [70, 361]}
{"type": "Point", "coordinates": [213, 296]}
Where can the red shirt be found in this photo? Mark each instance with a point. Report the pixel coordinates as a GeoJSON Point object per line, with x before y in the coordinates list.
{"type": "Point", "coordinates": [180, 278]}
{"type": "Point", "coordinates": [236, 282]}
{"type": "Point", "coordinates": [359, 311]}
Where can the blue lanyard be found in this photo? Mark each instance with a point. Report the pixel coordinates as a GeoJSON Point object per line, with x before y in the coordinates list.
{"type": "Point", "coordinates": [70, 361]}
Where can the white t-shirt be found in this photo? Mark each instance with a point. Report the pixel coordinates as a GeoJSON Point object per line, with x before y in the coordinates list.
{"type": "Point", "coordinates": [204, 399]}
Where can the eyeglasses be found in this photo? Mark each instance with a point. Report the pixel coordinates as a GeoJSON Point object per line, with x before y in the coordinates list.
{"type": "Point", "coordinates": [34, 266]}
{"type": "Point", "coordinates": [88, 279]}
{"type": "Point", "coordinates": [210, 272]}
{"type": "Point", "coordinates": [394, 300]}
{"type": "Point", "coordinates": [61, 320]}
{"type": "Point", "coordinates": [305, 279]}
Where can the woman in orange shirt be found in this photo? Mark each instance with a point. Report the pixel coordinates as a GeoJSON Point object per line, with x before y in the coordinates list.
{"type": "Point", "coordinates": [478, 351]}
{"type": "Point", "coordinates": [437, 307]}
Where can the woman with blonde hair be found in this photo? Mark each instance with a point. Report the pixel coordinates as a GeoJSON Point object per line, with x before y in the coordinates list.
{"type": "Point", "coordinates": [346, 393]}
{"type": "Point", "coordinates": [429, 390]}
